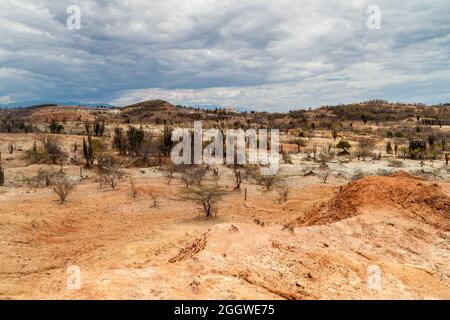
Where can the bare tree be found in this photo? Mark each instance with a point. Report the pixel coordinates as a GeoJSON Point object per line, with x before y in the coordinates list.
{"type": "Point", "coordinates": [206, 197]}
{"type": "Point", "coordinates": [62, 186]}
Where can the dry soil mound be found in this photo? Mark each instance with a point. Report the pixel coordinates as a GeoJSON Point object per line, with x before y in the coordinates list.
{"type": "Point", "coordinates": [409, 195]}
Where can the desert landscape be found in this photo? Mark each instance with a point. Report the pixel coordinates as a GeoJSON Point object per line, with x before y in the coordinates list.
{"type": "Point", "coordinates": [360, 208]}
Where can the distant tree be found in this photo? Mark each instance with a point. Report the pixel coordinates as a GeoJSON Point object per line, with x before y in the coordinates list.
{"type": "Point", "coordinates": [343, 145]}
{"type": "Point", "coordinates": [364, 118]}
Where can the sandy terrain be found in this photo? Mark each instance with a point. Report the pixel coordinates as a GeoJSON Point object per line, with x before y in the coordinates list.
{"type": "Point", "coordinates": [377, 237]}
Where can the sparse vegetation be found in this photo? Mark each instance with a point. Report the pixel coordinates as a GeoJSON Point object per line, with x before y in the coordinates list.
{"type": "Point", "coordinates": [62, 186]}
{"type": "Point", "coordinates": [111, 177]}
{"type": "Point", "coordinates": [206, 197]}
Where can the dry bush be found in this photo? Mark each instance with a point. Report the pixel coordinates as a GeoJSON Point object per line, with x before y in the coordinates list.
{"type": "Point", "coordinates": [395, 163]}
{"type": "Point", "coordinates": [49, 152]}
{"type": "Point", "coordinates": [193, 174]}
{"type": "Point", "coordinates": [325, 176]}
{"type": "Point", "coordinates": [133, 187]}
{"type": "Point", "coordinates": [267, 181]}
{"type": "Point", "coordinates": [283, 192]}
{"type": "Point", "coordinates": [206, 197]}
{"type": "Point", "coordinates": [62, 186]}
{"type": "Point", "coordinates": [356, 176]}
{"type": "Point", "coordinates": [241, 173]}
{"type": "Point", "coordinates": [169, 172]}
{"type": "Point", "coordinates": [111, 177]}
{"type": "Point", "coordinates": [287, 158]}
{"type": "Point", "coordinates": [364, 149]}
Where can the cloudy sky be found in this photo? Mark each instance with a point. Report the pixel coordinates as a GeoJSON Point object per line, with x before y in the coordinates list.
{"type": "Point", "coordinates": [265, 55]}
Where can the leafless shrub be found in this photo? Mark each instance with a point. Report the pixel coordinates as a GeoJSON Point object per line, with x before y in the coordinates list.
{"type": "Point", "coordinates": [133, 187]}
{"type": "Point", "coordinates": [283, 192]}
{"type": "Point", "coordinates": [49, 152]}
{"type": "Point", "coordinates": [169, 172]}
{"type": "Point", "coordinates": [364, 149]}
{"type": "Point", "coordinates": [287, 158]}
{"type": "Point", "coordinates": [395, 163]}
{"type": "Point", "coordinates": [111, 177]}
{"type": "Point", "coordinates": [325, 176]}
{"type": "Point", "coordinates": [267, 181]}
{"type": "Point", "coordinates": [241, 173]}
{"type": "Point", "coordinates": [193, 174]}
{"type": "Point", "coordinates": [62, 186]}
{"type": "Point", "coordinates": [154, 198]}
{"type": "Point", "coordinates": [206, 197]}
{"type": "Point", "coordinates": [356, 176]}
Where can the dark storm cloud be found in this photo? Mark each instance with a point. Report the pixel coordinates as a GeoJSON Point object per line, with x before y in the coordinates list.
{"type": "Point", "coordinates": [260, 54]}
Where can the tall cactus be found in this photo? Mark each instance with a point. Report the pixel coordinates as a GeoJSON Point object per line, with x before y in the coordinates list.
{"type": "Point", "coordinates": [2, 172]}
{"type": "Point", "coordinates": [88, 151]}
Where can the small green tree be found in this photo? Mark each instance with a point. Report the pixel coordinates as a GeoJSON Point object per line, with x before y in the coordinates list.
{"type": "Point", "coordinates": [343, 145]}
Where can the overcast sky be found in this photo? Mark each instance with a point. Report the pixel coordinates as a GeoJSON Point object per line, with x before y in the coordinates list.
{"type": "Point", "coordinates": [265, 55]}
